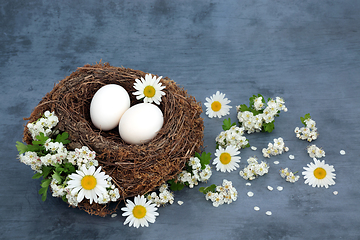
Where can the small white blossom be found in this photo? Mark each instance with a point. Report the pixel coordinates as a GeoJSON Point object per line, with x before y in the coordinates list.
{"type": "Point", "coordinates": [315, 152]}
{"type": "Point", "coordinates": [224, 193]}
{"type": "Point", "coordinates": [43, 125]}
{"type": "Point", "coordinates": [196, 175]}
{"type": "Point", "coordinates": [288, 175]}
{"type": "Point", "coordinates": [234, 137]}
{"type": "Point", "coordinates": [254, 169]}
{"type": "Point", "coordinates": [309, 132]}
{"type": "Point", "coordinates": [254, 123]}
{"type": "Point", "coordinates": [165, 196]}
{"type": "Point", "coordinates": [276, 148]}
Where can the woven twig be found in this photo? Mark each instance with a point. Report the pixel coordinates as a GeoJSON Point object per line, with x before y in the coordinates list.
{"type": "Point", "coordinates": [135, 169]}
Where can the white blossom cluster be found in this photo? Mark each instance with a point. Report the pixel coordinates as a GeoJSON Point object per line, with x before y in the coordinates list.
{"type": "Point", "coordinates": [165, 196]}
{"type": "Point", "coordinates": [315, 152]}
{"type": "Point", "coordinates": [196, 175]}
{"type": "Point", "coordinates": [58, 154]}
{"type": "Point", "coordinates": [112, 194]}
{"type": "Point", "coordinates": [234, 136]}
{"type": "Point", "coordinates": [288, 175]}
{"type": "Point", "coordinates": [31, 159]}
{"type": "Point", "coordinates": [309, 132]}
{"type": "Point", "coordinates": [82, 156]}
{"type": "Point", "coordinates": [225, 193]}
{"type": "Point", "coordinates": [253, 123]}
{"type": "Point", "coordinates": [276, 148]}
{"type": "Point", "coordinates": [43, 125]}
{"type": "Point", "coordinates": [254, 169]}
{"type": "Point", "coordinates": [59, 190]}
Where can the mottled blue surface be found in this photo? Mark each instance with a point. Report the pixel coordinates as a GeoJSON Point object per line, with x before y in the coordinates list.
{"type": "Point", "coordinates": [307, 52]}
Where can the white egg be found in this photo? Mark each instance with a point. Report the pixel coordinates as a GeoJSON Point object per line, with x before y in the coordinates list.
{"type": "Point", "coordinates": [108, 105]}
{"type": "Point", "coordinates": [141, 123]}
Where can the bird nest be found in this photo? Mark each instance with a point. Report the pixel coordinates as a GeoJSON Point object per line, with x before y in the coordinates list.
{"type": "Point", "coordinates": [135, 169]}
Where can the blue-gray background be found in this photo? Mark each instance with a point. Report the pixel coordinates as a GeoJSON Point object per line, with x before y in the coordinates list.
{"type": "Point", "coordinates": [307, 52]}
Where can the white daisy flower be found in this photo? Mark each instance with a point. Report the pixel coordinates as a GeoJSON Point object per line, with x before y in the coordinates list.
{"type": "Point", "coordinates": [319, 174]}
{"type": "Point", "coordinates": [226, 159]}
{"type": "Point", "coordinates": [88, 183]}
{"type": "Point", "coordinates": [139, 213]}
{"type": "Point", "coordinates": [149, 89]}
{"type": "Point", "coordinates": [216, 105]}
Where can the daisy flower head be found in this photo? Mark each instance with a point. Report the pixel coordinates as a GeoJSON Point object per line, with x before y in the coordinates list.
{"type": "Point", "coordinates": [226, 159]}
{"type": "Point", "coordinates": [216, 105]}
{"type": "Point", "coordinates": [319, 174]}
{"type": "Point", "coordinates": [149, 89]}
{"type": "Point", "coordinates": [139, 212]}
{"type": "Point", "coordinates": [88, 183]}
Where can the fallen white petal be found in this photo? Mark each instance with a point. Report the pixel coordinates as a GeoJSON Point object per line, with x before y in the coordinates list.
{"type": "Point", "coordinates": [113, 215]}
{"type": "Point", "coordinates": [268, 213]}
{"type": "Point", "coordinates": [180, 202]}
{"type": "Point", "coordinates": [342, 152]}
{"type": "Point", "coordinates": [248, 184]}
{"type": "Point", "coordinates": [250, 194]}
{"type": "Point", "coordinates": [291, 157]}
{"type": "Point", "coordinates": [280, 188]}
{"type": "Point", "coordinates": [256, 208]}
{"type": "Point", "coordinates": [335, 192]}
{"type": "Point", "coordinates": [253, 148]}
{"type": "Point", "coordinates": [270, 188]}
{"type": "Point", "coordinates": [276, 162]}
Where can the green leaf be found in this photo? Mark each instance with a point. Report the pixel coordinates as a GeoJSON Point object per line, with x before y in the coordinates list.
{"type": "Point", "coordinates": [64, 198]}
{"type": "Point", "coordinates": [44, 187]}
{"type": "Point", "coordinates": [21, 147]}
{"type": "Point", "coordinates": [45, 183]}
{"type": "Point", "coordinates": [57, 177]}
{"type": "Point", "coordinates": [43, 190]}
{"type": "Point", "coordinates": [307, 116]}
{"type": "Point", "coordinates": [175, 186]}
{"type": "Point", "coordinates": [263, 99]}
{"type": "Point", "coordinates": [210, 188]}
{"type": "Point", "coordinates": [46, 170]}
{"type": "Point", "coordinates": [59, 168]}
{"type": "Point", "coordinates": [204, 159]}
{"type": "Point", "coordinates": [269, 127]}
{"type": "Point", "coordinates": [62, 138]}
{"type": "Point", "coordinates": [35, 148]}
{"type": "Point", "coordinates": [41, 139]}
{"type": "Point", "coordinates": [227, 124]}
{"type": "Point", "coordinates": [69, 168]}
{"type": "Point", "coordinates": [244, 108]}
{"type": "Point", "coordinates": [37, 175]}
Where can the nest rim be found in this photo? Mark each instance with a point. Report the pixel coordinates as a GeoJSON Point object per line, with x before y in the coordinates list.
{"type": "Point", "coordinates": [135, 169]}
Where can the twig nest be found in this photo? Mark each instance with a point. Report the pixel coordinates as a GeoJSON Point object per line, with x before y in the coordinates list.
{"type": "Point", "coordinates": [135, 169]}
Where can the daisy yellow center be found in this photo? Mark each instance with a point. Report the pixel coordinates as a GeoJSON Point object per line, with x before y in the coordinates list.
{"type": "Point", "coordinates": [139, 211]}
{"type": "Point", "coordinates": [216, 106]}
{"type": "Point", "coordinates": [149, 91]}
{"type": "Point", "coordinates": [88, 182]}
{"type": "Point", "coordinates": [320, 173]}
{"type": "Point", "coordinates": [225, 158]}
